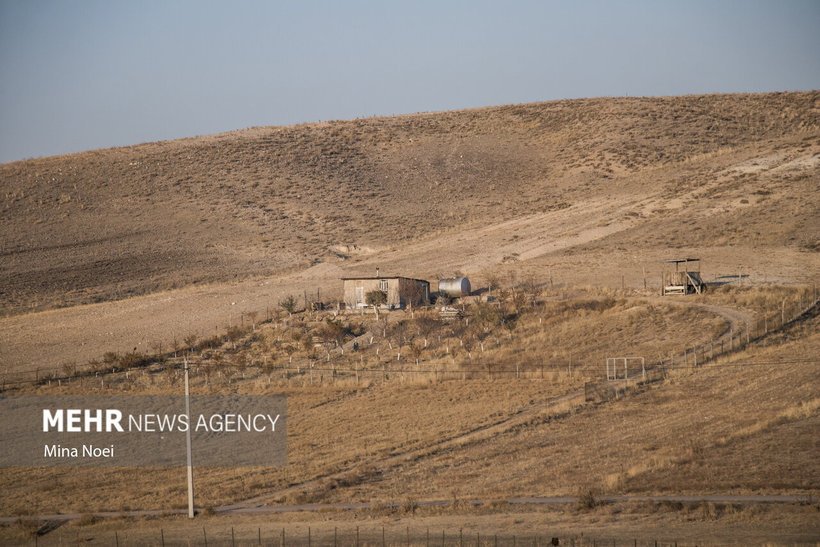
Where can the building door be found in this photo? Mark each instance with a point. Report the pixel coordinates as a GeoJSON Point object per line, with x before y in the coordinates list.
{"type": "Point", "coordinates": [359, 297]}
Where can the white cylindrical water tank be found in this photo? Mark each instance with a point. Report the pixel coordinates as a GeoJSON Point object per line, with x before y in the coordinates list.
{"type": "Point", "coordinates": [454, 287]}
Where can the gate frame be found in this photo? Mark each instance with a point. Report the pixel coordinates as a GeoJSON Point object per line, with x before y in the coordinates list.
{"type": "Point", "coordinates": [612, 367]}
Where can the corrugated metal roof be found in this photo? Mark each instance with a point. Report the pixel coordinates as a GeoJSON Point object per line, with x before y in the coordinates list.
{"type": "Point", "coordinates": [384, 277]}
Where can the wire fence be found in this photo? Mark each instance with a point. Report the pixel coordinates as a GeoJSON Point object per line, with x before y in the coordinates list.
{"type": "Point", "coordinates": [708, 354]}
{"type": "Point", "coordinates": [791, 310]}
{"type": "Point", "coordinates": [309, 536]}
{"type": "Point", "coordinates": [318, 372]}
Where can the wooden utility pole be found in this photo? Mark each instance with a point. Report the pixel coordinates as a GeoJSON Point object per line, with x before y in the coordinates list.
{"type": "Point", "coordinates": [188, 444]}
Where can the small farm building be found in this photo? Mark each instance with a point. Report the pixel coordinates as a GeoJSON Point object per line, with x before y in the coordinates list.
{"type": "Point", "coordinates": [400, 291]}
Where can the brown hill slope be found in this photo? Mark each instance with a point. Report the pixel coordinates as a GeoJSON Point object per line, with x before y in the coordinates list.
{"type": "Point", "coordinates": [722, 170]}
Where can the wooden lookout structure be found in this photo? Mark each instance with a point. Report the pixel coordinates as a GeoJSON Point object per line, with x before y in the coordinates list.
{"type": "Point", "coordinates": [685, 279]}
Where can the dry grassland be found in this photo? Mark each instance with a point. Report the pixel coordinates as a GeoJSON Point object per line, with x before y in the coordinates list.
{"type": "Point", "coordinates": [363, 441]}
{"type": "Point", "coordinates": [709, 171]}
{"type": "Point", "coordinates": [595, 192]}
{"type": "Point", "coordinates": [687, 525]}
{"type": "Point", "coordinates": [118, 259]}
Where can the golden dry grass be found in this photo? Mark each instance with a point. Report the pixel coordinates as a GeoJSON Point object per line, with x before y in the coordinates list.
{"type": "Point", "coordinates": [110, 224]}
{"type": "Point", "coordinates": [687, 524]}
{"type": "Point", "coordinates": [557, 194]}
{"type": "Point", "coordinates": [362, 442]}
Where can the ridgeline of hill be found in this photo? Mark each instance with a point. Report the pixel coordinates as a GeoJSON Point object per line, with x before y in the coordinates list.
{"type": "Point", "coordinates": [721, 170]}
{"type": "Point", "coordinates": [596, 192]}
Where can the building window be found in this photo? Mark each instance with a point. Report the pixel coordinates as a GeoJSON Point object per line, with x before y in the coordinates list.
{"type": "Point", "coordinates": [383, 285]}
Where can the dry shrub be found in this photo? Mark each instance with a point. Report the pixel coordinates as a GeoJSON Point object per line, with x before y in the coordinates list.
{"type": "Point", "coordinates": [586, 500]}
{"type": "Point", "coordinates": [409, 505]}
{"type": "Point", "coordinates": [497, 506]}
{"type": "Point", "coordinates": [708, 511]}
{"type": "Point", "coordinates": [380, 508]}
{"type": "Point", "coordinates": [355, 477]}
{"type": "Point", "coordinates": [295, 498]}
{"type": "Point", "coordinates": [87, 519]}
{"type": "Point", "coordinates": [28, 526]}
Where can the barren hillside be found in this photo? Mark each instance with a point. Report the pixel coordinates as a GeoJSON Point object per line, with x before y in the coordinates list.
{"type": "Point", "coordinates": [646, 174]}
{"type": "Point", "coordinates": [115, 262]}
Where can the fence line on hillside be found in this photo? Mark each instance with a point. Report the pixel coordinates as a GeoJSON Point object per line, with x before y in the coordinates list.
{"type": "Point", "coordinates": [709, 353]}
{"type": "Point", "coordinates": [790, 312]}
{"type": "Point", "coordinates": [687, 358]}
{"type": "Point", "coordinates": [356, 536]}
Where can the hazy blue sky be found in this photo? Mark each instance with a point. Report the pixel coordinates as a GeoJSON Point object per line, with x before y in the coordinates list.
{"type": "Point", "coordinates": [83, 74]}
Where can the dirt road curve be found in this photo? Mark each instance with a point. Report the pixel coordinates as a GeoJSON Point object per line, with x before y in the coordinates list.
{"type": "Point", "coordinates": [737, 321]}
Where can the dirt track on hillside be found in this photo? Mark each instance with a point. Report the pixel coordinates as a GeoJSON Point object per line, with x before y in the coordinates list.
{"type": "Point", "coordinates": [46, 340]}
{"type": "Point", "coordinates": [444, 445]}
{"type": "Point", "coordinates": [571, 193]}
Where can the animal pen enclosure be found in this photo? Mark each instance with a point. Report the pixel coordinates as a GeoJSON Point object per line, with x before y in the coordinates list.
{"type": "Point", "coordinates": [685, 279]}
